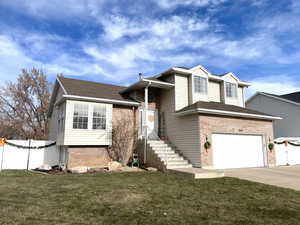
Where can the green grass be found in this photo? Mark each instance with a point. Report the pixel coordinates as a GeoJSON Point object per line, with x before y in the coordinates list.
{"type": "Point", "coordinates": [141, 198]}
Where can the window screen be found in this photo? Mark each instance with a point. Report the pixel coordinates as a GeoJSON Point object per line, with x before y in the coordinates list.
{"type": "Point", "coordinates": [80, 116]}
{"type": "Point", "coordinates": [99, 117]}
{"type": "Point", "coordinates": [231, 90]}
{"type": "Point", "coordinates": [200, 84]}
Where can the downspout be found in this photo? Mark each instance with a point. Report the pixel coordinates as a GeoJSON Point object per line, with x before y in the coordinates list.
{"type": "Point", "coordinates": [145, 120]}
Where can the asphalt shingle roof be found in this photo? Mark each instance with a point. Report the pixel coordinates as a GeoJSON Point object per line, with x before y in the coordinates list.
{"type": "Point", "coordinates": [93, 89]}
{"type": "Point", "coordinates": [221, 107]}
{"type": "Point", "coordinates": [295, 97]}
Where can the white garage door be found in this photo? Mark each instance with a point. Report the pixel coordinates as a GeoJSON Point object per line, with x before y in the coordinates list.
{"type": "Point", "coordinates": [237, 151]}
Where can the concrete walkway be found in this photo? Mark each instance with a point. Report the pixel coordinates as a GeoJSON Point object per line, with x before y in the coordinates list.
{"type": "Point", "coordinates": [283, 176]}
{"type": "Point", "coordinates": [198, 173]}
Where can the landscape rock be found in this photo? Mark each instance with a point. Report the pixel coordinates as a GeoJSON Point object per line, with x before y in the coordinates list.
{"type": "Point", "coordinates": [114, 165]}
{"type": "Point", "coordinates": [79, 169]}
{"type": "Point", "coordinates": [152, 169]}
{"type": "Point", "coordinates": [45, 167]}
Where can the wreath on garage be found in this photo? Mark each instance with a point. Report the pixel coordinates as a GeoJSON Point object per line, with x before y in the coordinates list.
{"type": "Point", "coordinates": [207, 144]}
{"type": "Point", "coordinates": [271, 146]}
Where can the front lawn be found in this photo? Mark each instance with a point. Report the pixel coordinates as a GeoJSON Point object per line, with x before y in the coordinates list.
{"type": "Point", "coordinates": [141, 198]}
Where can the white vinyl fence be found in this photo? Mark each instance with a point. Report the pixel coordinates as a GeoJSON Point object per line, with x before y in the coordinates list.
{"type": "Point", "coordinates": [287, 154]}
{"type": "Point", "coordinates": [12, 157]}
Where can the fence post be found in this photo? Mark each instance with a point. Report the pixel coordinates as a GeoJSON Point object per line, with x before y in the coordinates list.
{"type": "Point", "coordinates": [28, 156]}
{"type": "Point", "coordinates": [2, 155]}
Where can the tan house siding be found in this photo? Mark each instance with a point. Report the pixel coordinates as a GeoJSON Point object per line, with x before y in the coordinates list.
{"type": "Point", "coordinates": [182, 132]}
{"type": "Point", "coordinates": [93, 157]}
{"type": "Point", "coordinates": [216, 124]}
{"type": "Point", "coordinates": [214, 91]}
{"type": "Point", "coordinates": [241, 101]}
{"type": "Point", "coordinates": [87, 136]}
{"type": "Point", "coordinates": [181, 92]}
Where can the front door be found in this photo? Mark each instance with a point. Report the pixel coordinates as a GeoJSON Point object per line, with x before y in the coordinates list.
{"type": "Point", "coordinates": [151, 123]}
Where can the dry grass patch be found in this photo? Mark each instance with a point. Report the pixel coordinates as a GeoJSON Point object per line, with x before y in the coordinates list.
{"type": "Point", "coordinates": [122, 196]}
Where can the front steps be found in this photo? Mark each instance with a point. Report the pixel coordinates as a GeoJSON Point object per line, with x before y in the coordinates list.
{"type": "Point", "coordinates": [198, 173]}
{"type": "Point", "coordinates": [167, 155]}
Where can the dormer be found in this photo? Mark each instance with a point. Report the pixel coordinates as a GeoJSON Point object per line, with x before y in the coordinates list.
{"type": "Point", "coordinates": [232, 91]}
{"type": "Point", "coordinates": [198, 84]}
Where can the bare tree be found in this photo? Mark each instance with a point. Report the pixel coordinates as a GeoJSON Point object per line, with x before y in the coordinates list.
{"type": "Point", "coordinates": [124, 139]}
{"type": "Point", "coordinates": [24, 106]}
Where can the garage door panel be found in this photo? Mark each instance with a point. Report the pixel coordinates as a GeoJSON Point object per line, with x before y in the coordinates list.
{"type": "Point", "coordinates": [237, 151]}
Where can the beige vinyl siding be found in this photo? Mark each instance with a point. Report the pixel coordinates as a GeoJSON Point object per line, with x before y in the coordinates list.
{"type": "Point", "coordinates": [241, 101]}
{"type": "Point", "coordinates": [214, 91]}
{"type": "Point", "coordinates": [181, 92]}
{"type": "Point", "coordinates": [87, 136]}
{"type": "Point", "coordinates": [54, 133]}
{"type": "Point", "coordinates": [182, 132]}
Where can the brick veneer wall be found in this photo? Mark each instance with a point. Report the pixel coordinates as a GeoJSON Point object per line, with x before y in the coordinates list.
{"type": "Point", "coordinates": [216, 124]}
{"type": "Point", "coordinates": [94, 157]}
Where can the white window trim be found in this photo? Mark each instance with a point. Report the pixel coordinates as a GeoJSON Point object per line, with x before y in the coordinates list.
{"type": "Point", "coordinates": [236, 90]}
{"type": "Point", "coordinates": [90, 117]}
{"type": "Point", "coordinates": [193, 85]}
{"type": "Point", "coordinates": [88, 113]}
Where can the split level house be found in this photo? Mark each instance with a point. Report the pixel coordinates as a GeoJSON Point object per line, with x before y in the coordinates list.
{"type": "Point", "coordinates": [177, 113]}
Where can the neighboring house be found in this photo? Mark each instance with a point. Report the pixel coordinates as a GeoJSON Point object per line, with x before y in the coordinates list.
{"type": "Point", "coordinates": [184, 109]}
{"type": "Point", "coordinates": [286, 106]}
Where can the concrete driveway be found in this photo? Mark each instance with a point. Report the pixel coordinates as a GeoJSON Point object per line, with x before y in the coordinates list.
{"type": "Point", "coordinates": [283, 176]}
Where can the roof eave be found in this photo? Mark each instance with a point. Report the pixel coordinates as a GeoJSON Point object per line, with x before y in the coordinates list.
{"type": "Point", "coordinates": [271, 96]}
{"type": "Point", "coordinates": [139, 84]}
{"type": "Point", "coordinates": [103, 100]}
{"type": "Point", "coordinates": [57, 84]}
{"type": "Point", "coordinates": [226, 113]}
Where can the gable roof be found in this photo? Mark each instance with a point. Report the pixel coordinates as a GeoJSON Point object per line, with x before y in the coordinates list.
{"type": "Point", "coordinates": [188, 71]}
{"type": "Point", "coordinates": [88, 91]}
{"type": "Point", "coordinates": [91, 89]}
{"type": "Point", "coordinates": [218, 108]}
{"type": "Point", "coordinates": [293, 98]}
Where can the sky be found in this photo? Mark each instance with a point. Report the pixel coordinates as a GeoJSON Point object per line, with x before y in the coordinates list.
{"type": "Point", "coordinates": [112, 41]}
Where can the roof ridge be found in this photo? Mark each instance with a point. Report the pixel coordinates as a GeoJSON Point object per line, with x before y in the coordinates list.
{"type": "Point", "coordinates": [296, 92]}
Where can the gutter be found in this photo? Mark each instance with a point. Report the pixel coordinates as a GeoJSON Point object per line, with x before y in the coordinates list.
{"type": "Point", "coordinates": [227, 113]}
{"type": "Point", "coordinates": [106, 100]}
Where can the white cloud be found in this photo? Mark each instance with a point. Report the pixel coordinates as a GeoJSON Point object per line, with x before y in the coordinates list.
{"type": "Point", "coordinates": [198, 3]}
{"type": "Point", "coordinates": [280, 84]}
{"type": "Point", "coordinates": [56, 9]}
{"type": "Point", "coordinates": [13, 59]}
{"type": "Point", "coordinates": [116, 27]}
